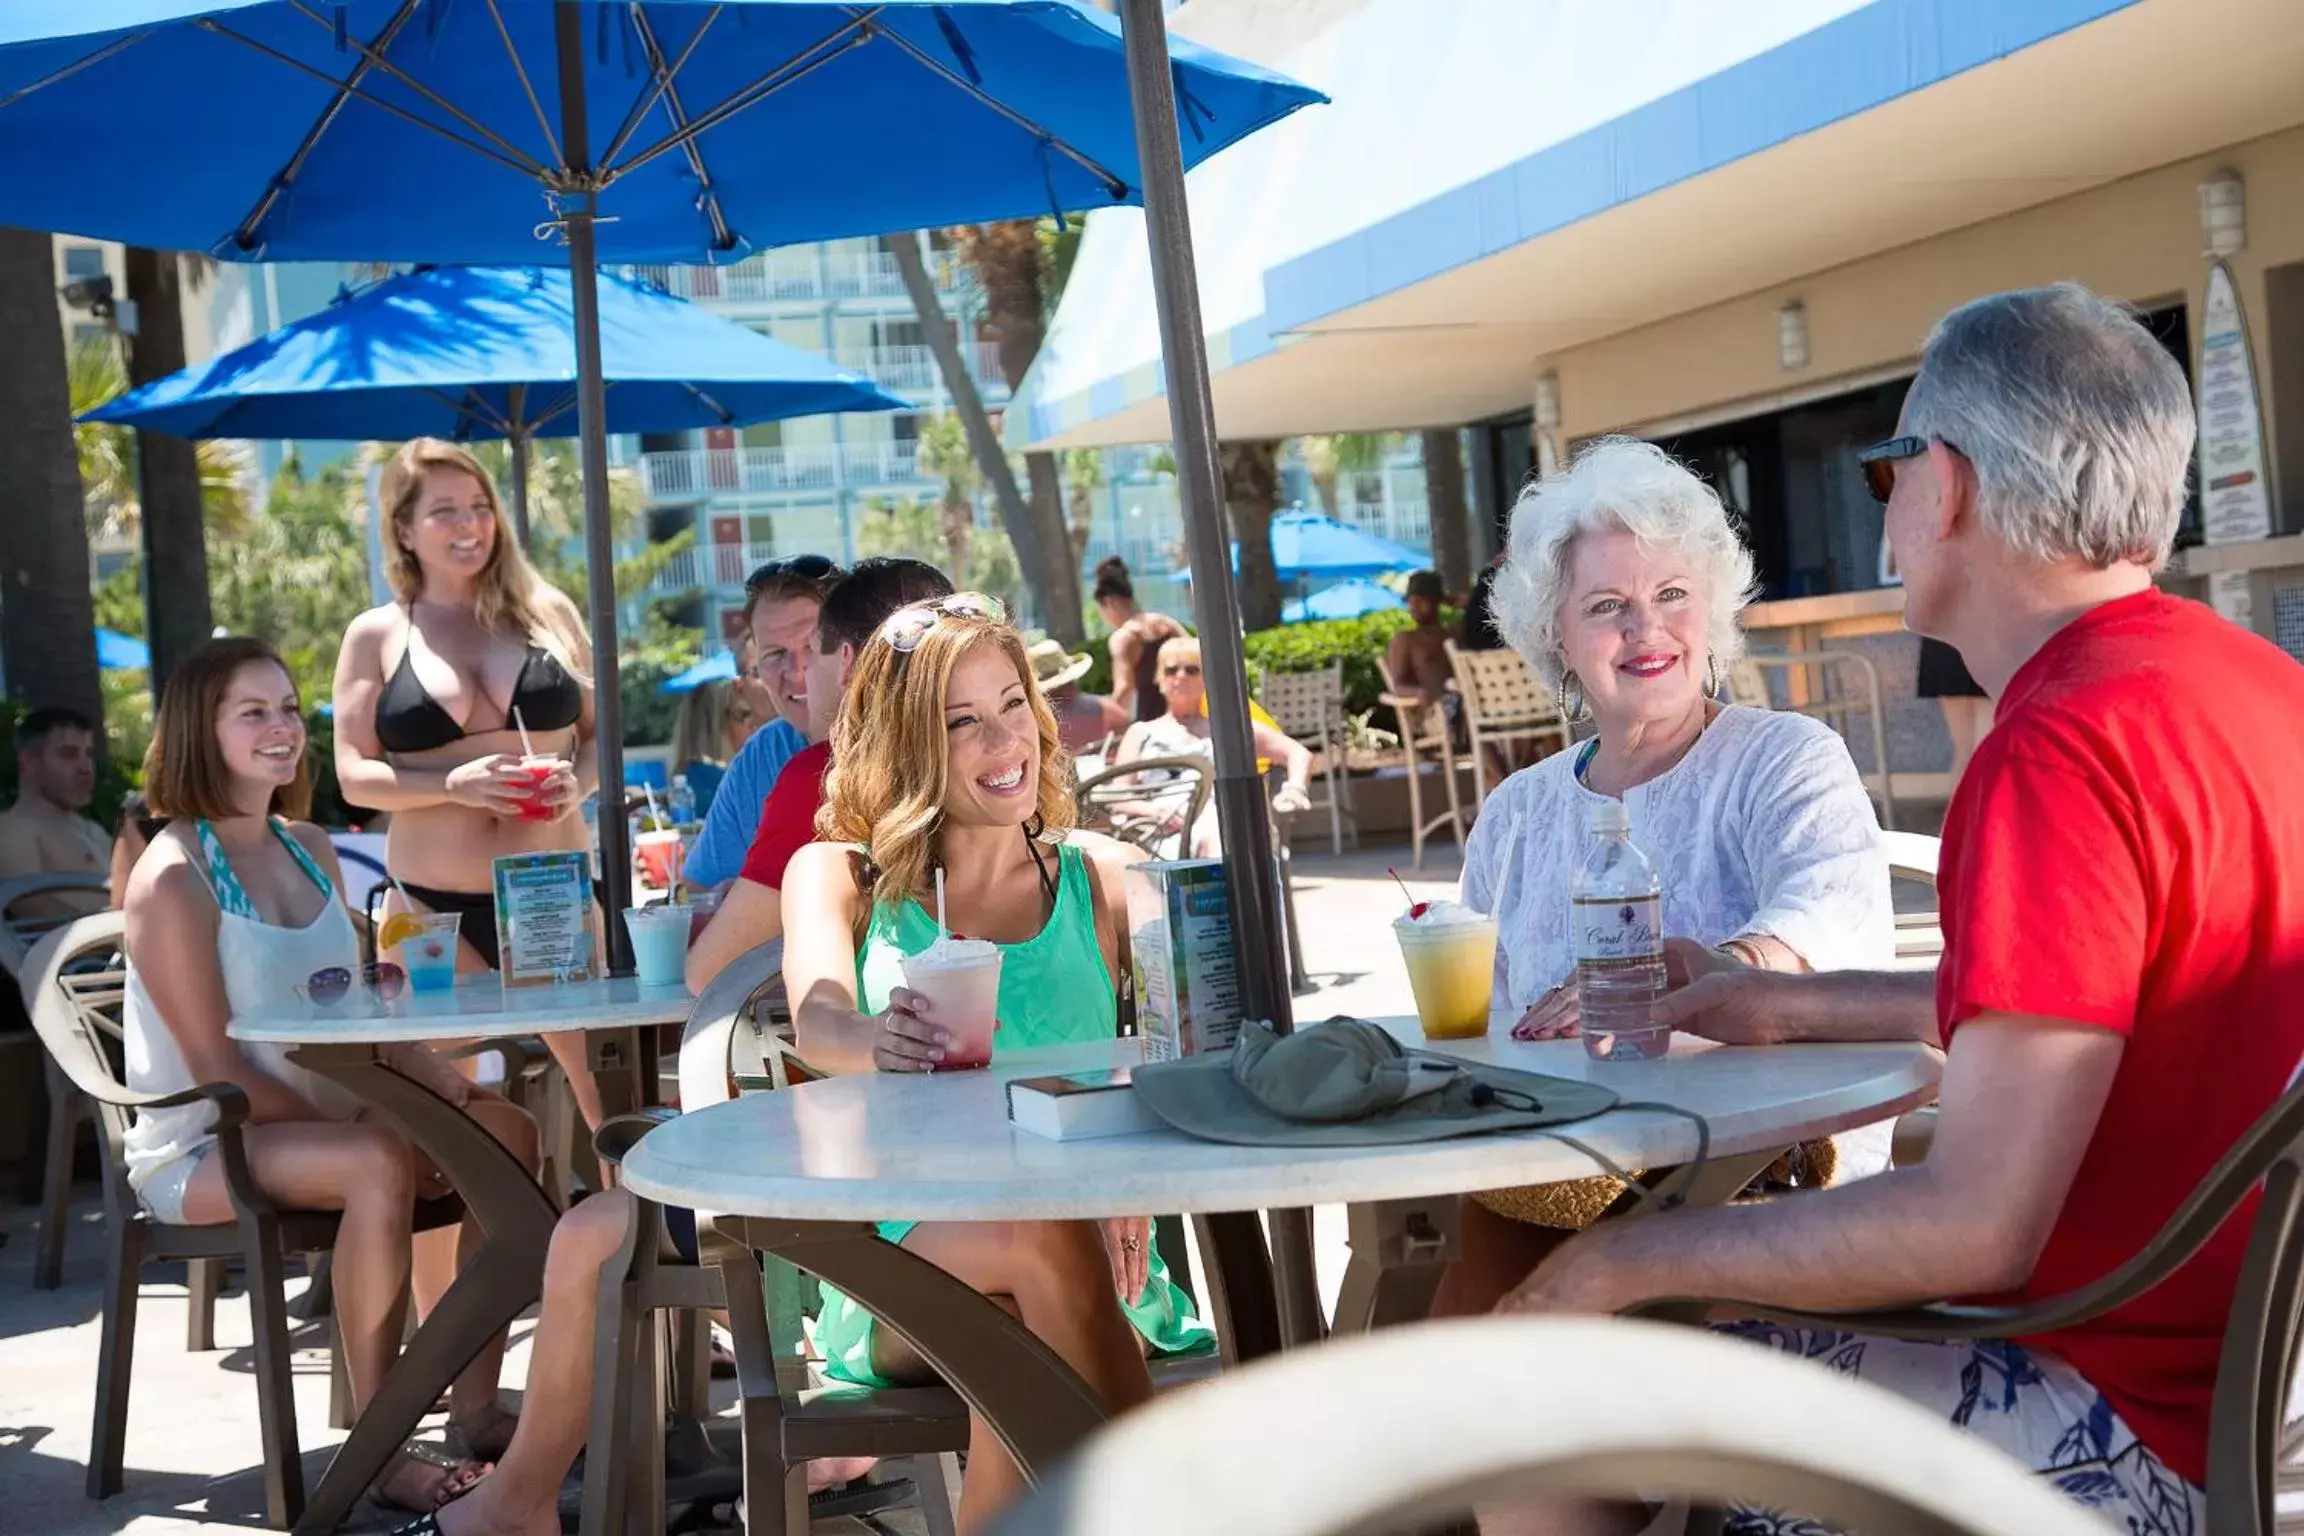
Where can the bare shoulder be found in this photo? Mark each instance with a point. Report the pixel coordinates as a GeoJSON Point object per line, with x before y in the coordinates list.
{"type": "Point", "coordinates": [168, 873]}
{"type": "Point", "coordinates": [316, 842]}
{"type": "Point", "coordinates": [371, 627]}
{"type": "Point", "coordinates": [1106, 855]}
{"type": "Point", "coordinates": [824, 871]}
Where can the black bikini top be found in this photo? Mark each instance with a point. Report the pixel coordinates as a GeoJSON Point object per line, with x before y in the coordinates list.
{"type": "Point", "coordinates": [409, 719]}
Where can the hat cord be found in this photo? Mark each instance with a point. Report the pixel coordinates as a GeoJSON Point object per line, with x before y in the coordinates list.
{"type": "Point", "coordinates": [1665, 1197]}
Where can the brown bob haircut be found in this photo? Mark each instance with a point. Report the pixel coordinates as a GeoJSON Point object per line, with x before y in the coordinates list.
{"type": "Point", "coordinates": [184, 770]}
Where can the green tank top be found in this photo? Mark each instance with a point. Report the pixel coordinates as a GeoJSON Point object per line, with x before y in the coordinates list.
{"type": "Point", "coordinates": [1054, 987]}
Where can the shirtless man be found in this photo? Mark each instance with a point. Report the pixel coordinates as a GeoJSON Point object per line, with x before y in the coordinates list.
{"type": "Point", "coordinates": [1418, 658]}
{"type": "Point", "coordinates": [1136, 641]}
{"type": "Point", "coordinates": [45, 832]}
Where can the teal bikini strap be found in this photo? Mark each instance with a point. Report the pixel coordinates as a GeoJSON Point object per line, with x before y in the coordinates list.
{"type": "Point", "coordinates": [230, 896]}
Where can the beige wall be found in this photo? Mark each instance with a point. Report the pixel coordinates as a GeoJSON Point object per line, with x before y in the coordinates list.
{"type": "Point", "coordinates": [197, 345]}
{"type": "Point", "coordinates": [2137, 239]}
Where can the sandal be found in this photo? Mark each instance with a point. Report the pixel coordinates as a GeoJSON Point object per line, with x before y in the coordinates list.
{"type": "Point", "coordinates": [499, 1425]}
{"type": "Point", "coordinates": [464, 1476]}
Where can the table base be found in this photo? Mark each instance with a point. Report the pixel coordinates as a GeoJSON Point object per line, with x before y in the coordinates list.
{"type": "Point", "coordinates": [500, 1282]}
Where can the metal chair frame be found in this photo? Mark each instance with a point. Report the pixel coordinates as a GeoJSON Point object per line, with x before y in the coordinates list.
{"type": "Point", "coordinates": [1747, 684]}
{"type": "Point", "coordinates": [1503, 704]}
{"type": "Point", "coordinates": [1424, 728]}
{"type": "Point", "coordinates": [1309, 708]}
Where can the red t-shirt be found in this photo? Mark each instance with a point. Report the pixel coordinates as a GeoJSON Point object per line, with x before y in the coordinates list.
{"type": "Point", "coordinates": [788, 819]}
{"type": "Point", "coordinates": [2123, 852]}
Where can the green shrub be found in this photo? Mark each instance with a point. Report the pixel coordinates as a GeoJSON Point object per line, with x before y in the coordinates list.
{"type": "Point", "coordinates": [1358, 643]}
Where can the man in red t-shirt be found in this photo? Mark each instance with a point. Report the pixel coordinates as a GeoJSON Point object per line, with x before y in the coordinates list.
{"type": "Point", "coordinates": [859, 603]}
{"type": "Point", "coordinates": [2122, 938]}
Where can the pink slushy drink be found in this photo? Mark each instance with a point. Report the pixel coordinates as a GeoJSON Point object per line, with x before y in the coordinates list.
{"type": "Point", "coordinates": [961, 980]}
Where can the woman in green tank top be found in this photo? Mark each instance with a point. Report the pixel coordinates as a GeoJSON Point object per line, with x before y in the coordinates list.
{"type": "Point", "coordinates": [946, 757]}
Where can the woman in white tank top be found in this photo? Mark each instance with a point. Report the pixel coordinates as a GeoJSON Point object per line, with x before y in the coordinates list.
{"type": "Point", "coordinates": [229, 910]}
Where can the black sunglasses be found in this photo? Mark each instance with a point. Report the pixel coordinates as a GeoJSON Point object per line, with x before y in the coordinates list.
{"type": "Point", "coordinates": [805, 567]}
{"type": "Point", "coordinates": [1880, 460]}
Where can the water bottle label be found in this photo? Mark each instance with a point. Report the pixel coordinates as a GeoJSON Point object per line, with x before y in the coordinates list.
{"type": "Point", "coordinates": [1617, 931]}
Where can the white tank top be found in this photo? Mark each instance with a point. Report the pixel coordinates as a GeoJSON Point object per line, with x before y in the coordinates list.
{"type": "Point", "coordinates": [262, 963]}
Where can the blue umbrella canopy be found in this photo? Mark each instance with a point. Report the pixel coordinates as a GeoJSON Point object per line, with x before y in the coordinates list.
{"type": "Point", "coordinates": [474, 353]}
{"type": "Point", "coordinates": [437, 130]}
{"type": "Point", "coordinates": [719, 668]}
{"type": "Point", "coordinates": [1344, 600]}
{"type": "Point", "coordinates": [116, 652]}
{"type": "Point", "coordinates": [1307, 546]}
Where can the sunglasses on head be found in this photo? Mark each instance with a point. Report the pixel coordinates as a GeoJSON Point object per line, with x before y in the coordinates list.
{"type": "Point", "coordinates": [806, 567]}
{"type": "Point", "coordinates": [332, 984]}
{"type": "Point", "coordinates": [909, 625]}
{"type": "Point", "coordinates": [1880, 460]}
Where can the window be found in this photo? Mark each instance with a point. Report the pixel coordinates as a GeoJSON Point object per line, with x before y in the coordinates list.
{"type": "Point", "coordinates": [83, 261]}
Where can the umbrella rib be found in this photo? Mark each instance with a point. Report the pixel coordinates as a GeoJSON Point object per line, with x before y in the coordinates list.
{"type": "Point", "coordinates": [531, 170]}
{"type": "Point", "coordinates": [471, 404]}
{"type": "Point", "coordinates": [1116, 185]}
{"type": "Point", "coordinates": [117, 45]}
{"type": "Point", "coordinates": [727, 417]}
{"type": "Point", "coordinates": [503, 144]}
{"type": "Point", "coordinates": [799, 66]}
{"type": "Point", "coordinates": [527, 86]}
{"type": "Point", "coordinates": [245, 235]}
{"type": "Point", "coordinates": [709, 197]}
{"type": "Point", "coordinates": [660, 83]}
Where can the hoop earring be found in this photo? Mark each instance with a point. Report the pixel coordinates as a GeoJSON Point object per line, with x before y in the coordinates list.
{"type": "Point", "coordinates": [1712, 676]}
{"type": "Point", "coordinates": [1574, 708]}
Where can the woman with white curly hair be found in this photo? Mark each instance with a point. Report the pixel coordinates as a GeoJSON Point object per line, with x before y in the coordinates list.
{"type": "Point", "coordinates": [1622, 590]}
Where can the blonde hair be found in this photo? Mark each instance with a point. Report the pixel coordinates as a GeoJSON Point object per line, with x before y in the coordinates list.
{"type": "Point", "coordinates": [184, 769]}
{"type": "Point", "coordinates": [510, 597]}
{"type": "Point", "coordinates": [890, 753]}
{"type": "Point", "coordinates": [698, 731]}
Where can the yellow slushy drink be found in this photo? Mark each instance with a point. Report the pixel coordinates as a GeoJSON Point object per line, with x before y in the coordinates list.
{"type": "Point", "coordinates": [1450, 951]}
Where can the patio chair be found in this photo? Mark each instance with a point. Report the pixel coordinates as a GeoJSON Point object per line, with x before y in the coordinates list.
{"type": "Point", "coordinates": [785, 1421]}
{"type": "Point", "coordinates": [1504, 706]}
{"type": "Point", "coordinates": [1424, 730]}
{"type": "Point", "coordinates": [1919, 935]}
{"type": "Point", "coordinates": [1818, 685]}
{"type": "Point", "coordinates": [2245, 1425]}
{"type": "Point", "coordinates": [64, 1005]}
{"type": "Point", "coordinates": [1168, 786]}
{"type": "Point", "coordinates": [19, 1050]}
{"type": "Point", "coordinates": [1621, 1409]}
{"type": "Point", "coordinates": [1309, 707]}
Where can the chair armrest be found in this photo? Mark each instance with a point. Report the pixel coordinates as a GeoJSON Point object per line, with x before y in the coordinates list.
{"type": "Point", "coordinates": [522, 1053]}
{"type": "Point", "coordinates": [619, 1134]}
{"type": "Point", "coordinates": [230, 1099]}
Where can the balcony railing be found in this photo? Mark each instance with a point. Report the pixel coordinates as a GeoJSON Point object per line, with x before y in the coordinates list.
{"type": "Point", "coordinates": [800, 273]}
{"type": "Point", "coordinates": [696, 472]}
{"type": "Point", "coordinates": [912, 369]}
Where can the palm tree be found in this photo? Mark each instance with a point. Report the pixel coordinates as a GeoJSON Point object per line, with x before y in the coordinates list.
{"type": "Point", "coordinates": [1083, 478]}
{"type": "Point", "coordinates": [556, 520]}
{"type": "Point", "coordinates": [1329, 456]}
{"type": "Point", "coordinates": [1251, 495]}
{"type": "Point", "coordinates": [1451, 517]}
{"type": "Point", "coordinates": [168, 472]}
{"type": "Point", "coordinates": [944, 454]}
{"type": "Point", "coordinates": [107, 456]}
{"type": "Point", "coordinates": [47, 615]}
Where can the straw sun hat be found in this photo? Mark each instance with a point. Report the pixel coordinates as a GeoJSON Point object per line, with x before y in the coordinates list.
{"type": "Point", "coordinates": [1053, 666]}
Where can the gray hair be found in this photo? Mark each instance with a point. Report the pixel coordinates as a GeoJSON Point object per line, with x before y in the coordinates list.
{"type": "Point", "coordinates": [2077, 421]}
{"type": "Point", "coordinates": [1616, 483]}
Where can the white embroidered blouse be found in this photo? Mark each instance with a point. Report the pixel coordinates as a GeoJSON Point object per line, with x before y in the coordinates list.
{"type": "Point", "coordinates": [1763, 828]}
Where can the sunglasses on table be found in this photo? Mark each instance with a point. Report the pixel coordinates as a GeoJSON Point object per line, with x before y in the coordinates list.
{"type": "Point", "coordinates": [908, 626]}
{"type": "Point", "coordinates": [332, 984]}
{"type": "Point", "coordinates": [1880, 460]}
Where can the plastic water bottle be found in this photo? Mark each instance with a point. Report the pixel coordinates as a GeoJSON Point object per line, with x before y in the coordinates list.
{"type": "Point", "coordinates": [681, 802]}
{"type": "Point", "coordinates": [1616, 920]}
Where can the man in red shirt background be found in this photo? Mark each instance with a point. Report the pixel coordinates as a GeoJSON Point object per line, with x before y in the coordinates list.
{"type": "Point", "coordinates": [2123, 939]}
{"type": "Point", "coordinates": [859, 603]}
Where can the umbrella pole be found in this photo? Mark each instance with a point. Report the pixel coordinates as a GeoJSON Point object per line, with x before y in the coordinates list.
{"type": "Point", "coordinates": [599, 544]}
{"type": "Point", "coordinates": [516, 440]}
{"type": "Point", "coordinates": [1240, 809]}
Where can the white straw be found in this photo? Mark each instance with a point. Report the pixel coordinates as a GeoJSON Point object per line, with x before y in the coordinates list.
{"type": "Point", "coordinates": [940, 930]}
{"type": "Point", "coordinates": [655, 815]}
{"type": "Point", "coordinates": [526, 745]}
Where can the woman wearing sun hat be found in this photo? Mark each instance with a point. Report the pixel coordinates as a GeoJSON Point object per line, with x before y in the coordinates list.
{"type": "Point", "coordinates": [1083, 720]}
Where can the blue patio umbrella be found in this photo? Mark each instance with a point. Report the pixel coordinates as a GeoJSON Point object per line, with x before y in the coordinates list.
{"type": "Point", "coordinates": [475, 353]}
{"type": "Point", "coordinates": [718, 668]}
{"type": "Point", "coordinates": [642, 130]}
{"type": "Point", "coordinates": [116, 652]}
{"type": "Point", "coordinates": [1309, 547]}
{"type": "Point", "coordinates": [1344, 600]}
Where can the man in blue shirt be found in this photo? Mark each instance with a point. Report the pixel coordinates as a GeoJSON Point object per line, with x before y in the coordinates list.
{"type": "Point", "coordinates": [780, 603]}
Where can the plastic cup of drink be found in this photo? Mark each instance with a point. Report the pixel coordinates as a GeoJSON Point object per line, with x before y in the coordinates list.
{"type": "Point", "coordinates": [961, 980]}
{"type": "Point", "coordinates": [1451, 960]}
{"type": "Point", "coordinates": [537, 770]}
{"type": "Point", "coordinates": [659, 856]}
{"type": "Point", "coordinates": [430, 957]}
{"type": "Point", "coordinates": [659, 943]}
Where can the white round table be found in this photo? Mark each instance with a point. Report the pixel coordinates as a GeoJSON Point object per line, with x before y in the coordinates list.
{"type": "Point", "coordinates": [515, 1212]}
{"type": "Point", "coordinates": [802, 1174]}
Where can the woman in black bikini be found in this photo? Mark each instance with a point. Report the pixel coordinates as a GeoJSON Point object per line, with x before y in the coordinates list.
{"type": "Point", "coordinates": [426, 690]}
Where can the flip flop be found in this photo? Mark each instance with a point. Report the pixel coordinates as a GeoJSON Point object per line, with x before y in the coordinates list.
{"type": "Point", "coordinates": [466, 1476]}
